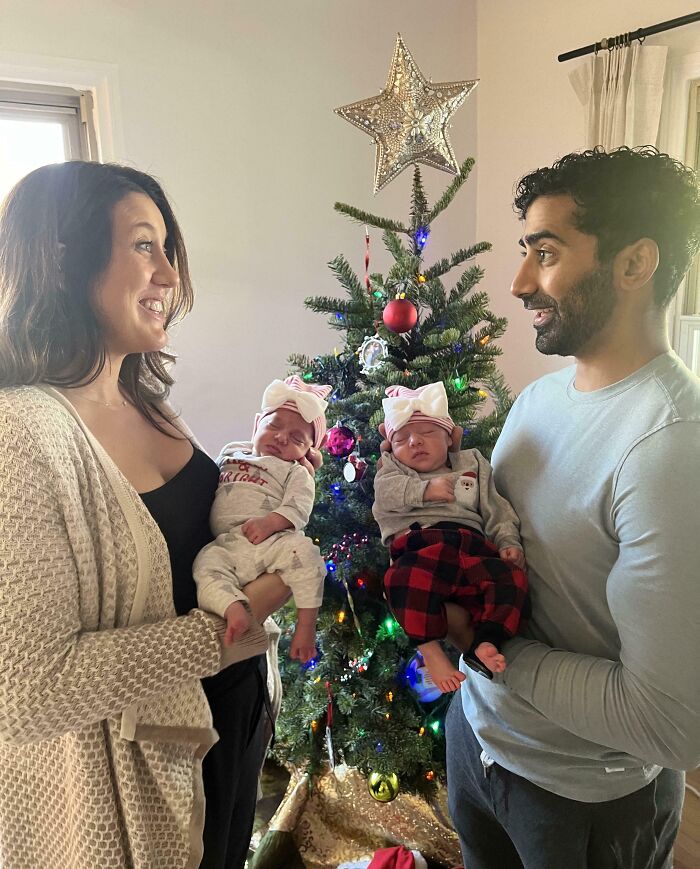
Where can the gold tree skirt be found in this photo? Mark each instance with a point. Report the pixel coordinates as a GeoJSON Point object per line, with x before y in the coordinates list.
{"type": "Point", "coordinates": [332, 819]}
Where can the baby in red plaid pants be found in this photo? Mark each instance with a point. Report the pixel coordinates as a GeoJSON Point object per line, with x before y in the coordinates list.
{"type": "Point", "coordinates": [439, 511]}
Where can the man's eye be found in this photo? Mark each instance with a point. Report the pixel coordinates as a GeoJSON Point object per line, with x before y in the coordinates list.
{"type": "Point", "coordinates": [542, 254]}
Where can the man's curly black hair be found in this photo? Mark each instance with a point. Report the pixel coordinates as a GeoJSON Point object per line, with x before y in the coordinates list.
{"type": "Point", "coordinates": [622, 196]}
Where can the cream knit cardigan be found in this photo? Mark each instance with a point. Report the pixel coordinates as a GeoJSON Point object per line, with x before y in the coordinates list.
{"type": "Point", "coordinates": [103, 721]}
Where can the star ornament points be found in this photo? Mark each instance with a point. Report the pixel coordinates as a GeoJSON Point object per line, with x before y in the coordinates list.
{"type": "Point", "coordinates": [408, 120]}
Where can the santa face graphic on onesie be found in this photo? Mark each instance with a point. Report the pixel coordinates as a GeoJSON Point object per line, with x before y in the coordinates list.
{"type": "Point", "coordinates": [465, 488]}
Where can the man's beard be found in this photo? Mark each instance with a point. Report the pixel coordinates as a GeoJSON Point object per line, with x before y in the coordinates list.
{"type": "Point", "coordinates": [579, 317]}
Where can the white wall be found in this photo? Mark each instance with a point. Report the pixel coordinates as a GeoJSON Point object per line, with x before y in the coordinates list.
{"type": "Point", "coordinates": [528, 115]}
{"type": "Point", "coordinates": [230, 104]}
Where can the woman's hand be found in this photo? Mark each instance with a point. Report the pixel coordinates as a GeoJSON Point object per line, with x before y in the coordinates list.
{"type": "Point", "coordinates": [312, 461]}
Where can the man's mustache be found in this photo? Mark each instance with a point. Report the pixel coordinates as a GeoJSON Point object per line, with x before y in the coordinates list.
{"type": "Point", "coordinates": [533, 303]}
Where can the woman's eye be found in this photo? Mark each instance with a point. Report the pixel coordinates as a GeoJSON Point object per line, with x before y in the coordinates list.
{"type": "Point", "coordinates": [145, 245]}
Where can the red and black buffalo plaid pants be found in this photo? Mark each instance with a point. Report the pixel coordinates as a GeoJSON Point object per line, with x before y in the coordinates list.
{"type": "Point", "coordinates": [450, 563]}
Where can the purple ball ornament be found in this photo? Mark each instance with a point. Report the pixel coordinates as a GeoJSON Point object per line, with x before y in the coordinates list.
{"type": "Point", "coordinates": [340, 441]}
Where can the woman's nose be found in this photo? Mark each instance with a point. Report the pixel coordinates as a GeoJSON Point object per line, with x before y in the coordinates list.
{"type": "Point", "coordinates": [165, 274]}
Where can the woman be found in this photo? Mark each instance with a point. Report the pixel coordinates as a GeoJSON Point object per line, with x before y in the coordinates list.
{"type": "Point", "coordinates": [104, 503]}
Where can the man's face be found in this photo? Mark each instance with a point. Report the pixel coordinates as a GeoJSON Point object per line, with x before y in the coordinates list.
{"type": "Point", "coordinates": [421, 446]}
{"type": "Point", "coordinates": [561, 279]}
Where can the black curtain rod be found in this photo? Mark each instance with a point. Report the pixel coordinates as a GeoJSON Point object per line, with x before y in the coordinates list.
{"type": "Point", "coordinates": [626, 38]}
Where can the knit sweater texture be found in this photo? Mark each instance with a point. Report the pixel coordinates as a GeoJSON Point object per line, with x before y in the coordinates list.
{"type": "Point", "coordinates": [103, 720]}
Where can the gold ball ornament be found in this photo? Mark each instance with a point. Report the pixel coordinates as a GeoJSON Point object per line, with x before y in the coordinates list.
{"type": "Point", "coordinates": [409, 119]}
{"type": "Point", "coordinates": [383, 786]}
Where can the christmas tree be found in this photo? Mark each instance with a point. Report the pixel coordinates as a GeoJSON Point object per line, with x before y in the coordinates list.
{"type": "Point", "coordinates": [362, 701]}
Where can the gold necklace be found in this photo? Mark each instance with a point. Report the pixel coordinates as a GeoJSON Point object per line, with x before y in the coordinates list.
{"type": "Point", "coordinates": [112, 405]}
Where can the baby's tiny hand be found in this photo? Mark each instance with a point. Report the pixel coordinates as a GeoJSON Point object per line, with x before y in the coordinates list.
{"type": "Point", "coordinates": [257, 530]}
{"type": "Point", "coordinates": [237, 622]}
{"type": "Point", "coordinates": [440, 489]}
{"type": "Point", "coordinates": [513, 555]}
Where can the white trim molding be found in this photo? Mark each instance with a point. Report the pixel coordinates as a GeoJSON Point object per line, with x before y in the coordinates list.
{"type": "Point", "coordinates": [101, 79]}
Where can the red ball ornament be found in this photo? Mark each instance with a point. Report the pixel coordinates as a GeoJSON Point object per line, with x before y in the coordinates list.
{"type": "Point", "coordinates": [340, 441]}
{"type": "Point", "coordinates": [400, 315]}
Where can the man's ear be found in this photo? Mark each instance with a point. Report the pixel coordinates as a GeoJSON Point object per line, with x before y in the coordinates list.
{"type": "Point", "coordinates": [634, 266]}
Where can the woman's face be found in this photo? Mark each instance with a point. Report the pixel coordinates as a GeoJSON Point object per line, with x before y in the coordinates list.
{"type": "Point", "coordinates": [132, 297]}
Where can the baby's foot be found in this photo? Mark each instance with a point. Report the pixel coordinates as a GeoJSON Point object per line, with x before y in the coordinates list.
{"type": "Point", "coordinates": [237, 622]}
{"type": "Point", "coordinates": [489, 655]}
{"type": "Point", "coordinates": [441, 670]}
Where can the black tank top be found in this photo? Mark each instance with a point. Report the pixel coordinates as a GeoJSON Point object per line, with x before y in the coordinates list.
{"type": "Point", "coordinates": [181, 510]}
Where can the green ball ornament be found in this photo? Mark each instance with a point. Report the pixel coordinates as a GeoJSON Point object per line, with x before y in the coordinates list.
{"type": "Point", "coordinates": [384, 786]}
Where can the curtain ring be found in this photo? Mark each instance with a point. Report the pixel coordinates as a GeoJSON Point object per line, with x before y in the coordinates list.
{"type": "Point", "coordinates": [641, 39]}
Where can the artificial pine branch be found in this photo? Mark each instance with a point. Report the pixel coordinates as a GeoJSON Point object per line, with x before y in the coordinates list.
{"type": "Point", "coordinates": [419, 203]}
{"type": "Point", "coordinates": [364, 217]}
{"type": "Point", "coordinates": [463, 254]}
{"type": "Point", "coordinates": [347, 277]}
{"type": "Point", "coordinates": [469, 278]}
{"type": "Point", "coordinates": [451, 191]}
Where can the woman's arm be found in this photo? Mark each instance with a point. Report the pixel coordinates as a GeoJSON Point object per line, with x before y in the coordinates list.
{"type": "Point", "coordinates": [55, 676]}
{"type": "Point", "coordinates": [266, 595]}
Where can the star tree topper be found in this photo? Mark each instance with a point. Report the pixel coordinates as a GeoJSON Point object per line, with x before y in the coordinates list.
{"type": "Point", "coordinates": [408, 120]}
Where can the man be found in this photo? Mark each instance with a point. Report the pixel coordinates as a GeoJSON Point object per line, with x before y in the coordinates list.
{"type": "Point", "coordinates": [571, 758]}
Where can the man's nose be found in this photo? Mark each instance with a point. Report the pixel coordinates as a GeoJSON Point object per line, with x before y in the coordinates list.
{"type": "Point", "coordinates": [524, 283]}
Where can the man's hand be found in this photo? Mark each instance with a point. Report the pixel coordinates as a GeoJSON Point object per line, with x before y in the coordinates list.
{"type": "Point", "coordinates": [440, 489]}
{"type": "Point", "coordinates": [385, 445]}
{"type": "Point", "coordinates": [259, 529]}
{"type": "Point", "coordinates": [303, 646]}
{"type": "Point", "coordinates": [513, 555]}
{"type": "Point", "coordinates": [456, 439]}
{"type": "Point", "coordinates": [237, 622]}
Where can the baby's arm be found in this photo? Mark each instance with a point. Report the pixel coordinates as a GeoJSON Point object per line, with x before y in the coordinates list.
{"type": "Point", "coordinates": [261, 527]}
{"type": "Point", "coordinates": [501, 523]}
{"type": "Point", "coordinates": [293, 512]}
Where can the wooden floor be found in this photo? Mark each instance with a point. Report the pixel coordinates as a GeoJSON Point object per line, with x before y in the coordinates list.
{"type": "Point", "coordinates": [687, 850]}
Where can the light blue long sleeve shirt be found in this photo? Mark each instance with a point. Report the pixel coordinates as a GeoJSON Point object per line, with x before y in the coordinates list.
{"type": "Point", "coordinates": [603, 688]}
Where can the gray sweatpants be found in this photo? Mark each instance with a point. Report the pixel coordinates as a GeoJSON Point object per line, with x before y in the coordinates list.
{"type": "Point", "coordinates": [506, 822]}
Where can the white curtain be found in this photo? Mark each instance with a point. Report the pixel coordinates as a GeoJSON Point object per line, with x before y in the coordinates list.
{"type": "Point", "coordinates": [621, 91]}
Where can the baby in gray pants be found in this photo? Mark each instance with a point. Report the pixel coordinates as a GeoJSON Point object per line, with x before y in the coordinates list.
{"type": "Point", "coordinates": [263, 503]}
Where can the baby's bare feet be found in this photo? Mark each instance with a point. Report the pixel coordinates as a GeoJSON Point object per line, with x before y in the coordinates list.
{"type": "Point", "coordinates": [237, 622]}
{"type": "Point", "coordinates": [441, 670]}
{"type": "Point", "coordinates": [489, 655]}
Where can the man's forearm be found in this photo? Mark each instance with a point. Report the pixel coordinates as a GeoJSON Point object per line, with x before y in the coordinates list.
{"type": "Point", "coordinates": [604, 702]}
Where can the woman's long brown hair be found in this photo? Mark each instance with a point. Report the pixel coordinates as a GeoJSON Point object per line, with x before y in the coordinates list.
{"type": "Point", "coordinates": [55, 244]}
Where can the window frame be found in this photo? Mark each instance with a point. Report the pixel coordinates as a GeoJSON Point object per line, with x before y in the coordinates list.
{"type": "Point", "coordinates": [70, 108]}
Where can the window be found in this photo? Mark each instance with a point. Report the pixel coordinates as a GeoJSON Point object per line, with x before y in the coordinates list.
{"type": "Point", "coordinates": [689, 313]}
{"type": "Point", "coordinates": [41, 124]}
